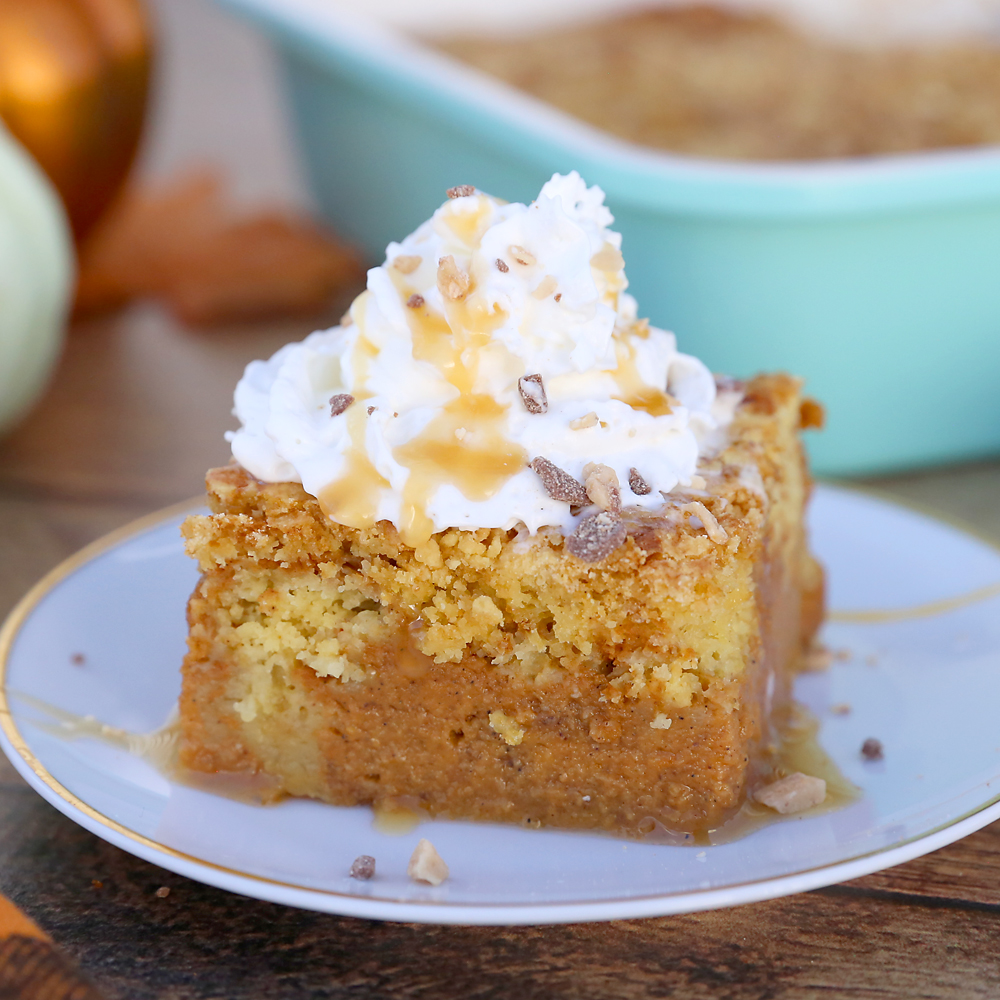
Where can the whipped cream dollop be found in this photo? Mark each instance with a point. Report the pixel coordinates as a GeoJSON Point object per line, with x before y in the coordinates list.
{"type": "Point", "coordinates": [494, 335]}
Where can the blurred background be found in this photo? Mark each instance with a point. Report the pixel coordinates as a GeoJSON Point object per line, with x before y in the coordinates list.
{"type": "Point", "coordinates": [808, 185]}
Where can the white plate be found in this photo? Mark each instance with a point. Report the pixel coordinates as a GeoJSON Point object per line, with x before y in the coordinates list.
{"type": "Point", "coordinates": [927, 686]}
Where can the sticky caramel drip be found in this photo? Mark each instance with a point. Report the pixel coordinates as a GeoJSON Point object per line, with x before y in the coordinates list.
{"type": "Point", "coordinates": [469, 226]}
{"type": "Point", "coordinates": [465, 445]}
{"type": "Point", "coordinates": [353, 498]}
{"type": "Point", "coordinates": [632, 388]}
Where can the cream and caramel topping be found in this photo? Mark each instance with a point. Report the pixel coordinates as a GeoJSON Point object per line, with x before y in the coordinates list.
{"type": "Point", "coordinates": [494, 336]}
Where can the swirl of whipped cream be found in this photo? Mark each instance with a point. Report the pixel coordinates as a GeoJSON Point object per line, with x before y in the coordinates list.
{"type": "Point", "coordinates": [437, 432]}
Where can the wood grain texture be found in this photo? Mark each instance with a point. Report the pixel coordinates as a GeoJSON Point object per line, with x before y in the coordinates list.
{"type": "Point", "coordinates": [967, 871]}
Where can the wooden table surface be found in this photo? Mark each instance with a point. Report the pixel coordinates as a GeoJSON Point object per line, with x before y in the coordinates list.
{"type": "Point", "coordinates": [134, 417]}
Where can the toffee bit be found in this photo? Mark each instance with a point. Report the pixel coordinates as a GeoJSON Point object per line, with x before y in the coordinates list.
{"type": "Point", "coordinates": [407, 263]}
{"type": "Point", "coordinates": [340, 402]}
{"type": "Point", "coordinates": [793, 794]}
{"type": "Point", "coordinates": [461, 191]}
{"type": "Point", "coordinates": [558, 296]}
{"type": "Point", "coordinates": [545, 287]}
{"type": "Point", "coordinates": [162, 892]}
{"type": "Point", "coordinates": [78, 659]}
{"type": "Point", "coordinates": [532, 390]}
{"type": "Point", "coordinates": [872, 749]}
{"type": "Point", "coordinates": [371, 410]}
{"type": "Point", "coordinates": [558, 484]}
{"type": "Point", "coordinates": [713, 529]}
{"type": "Point", "coordinates": [415, 301]}
{"type": "Point", "coordinates": [452, 281]}
{"type": "Point", "coordinates": [637, 484]}
{"type": "Point", "coordinates": [608, 258]}
{"type": "Point", "coordinates": [523, 257]}
{"type": "Point", "coordinates": [363, 867]}
{"type": "Point", "coordinates": [597, 536]}
{"type": "Point", "coordinates": [582, 423]}
{"type": "Point", "coordinates": [502, 266]}
{"type": "Point", "coordinates": [426, 865]}
{"type": "Point", "coordinates": [601, 484]}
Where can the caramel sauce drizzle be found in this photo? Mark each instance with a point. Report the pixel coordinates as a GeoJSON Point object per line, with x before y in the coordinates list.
{"type": "Point", "coordinates": [353, 498]}
{"type": "Point", "coordinates": [465, 444]}
{"type": "Point", "coordinates": [928, 610]}
{"type": "Point", "coordinates": [633, 389]}
{"type": "Point", "coordinates": [469, 226]}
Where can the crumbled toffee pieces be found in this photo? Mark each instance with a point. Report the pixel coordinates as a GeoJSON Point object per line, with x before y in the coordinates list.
{"type": "Point", "coordinates": [601, 484]}
{"type": "Point", "coordinates": [452, 281]}
{"type": "Point", "coordinates": [557, 296]}
{"type": "Point", "coordinates": [426, 865]}
{"type": "Point", "coordinates": [522, 256]}
{"type": "Point", "coordinates": [872, 749]}
{"type": "Point", "coordinates": [558, 484]}
{"type": "Point", "coordinates": [415, 301]}
{"type": "Point", "coordinates": [461, 191]}
{"type": "Point", "coordinates": [532, 390]}
{"type": "Point", "coordinates": [793, 794]}
{"type": "Point", "coordinates": [162, 892]}
{"type": "Point", "coordinates": [637, 484]}
{"type": "Point", "coordinates": [407, 263]}
{"type": "Point", "coordinates": [363, 867]}
{"type": "Point", "coordinates": [713, 529]}
{"type": "Point", "coordinates": [608, 258]}
{"type": "Point", "coordinates": [502, 266]}
{"type": "Point", "coordinates": [340, 402]}
{"type": "Point", "coordinates": [597, 536]}
{"type": "Point", "coordinates": [371, 410]}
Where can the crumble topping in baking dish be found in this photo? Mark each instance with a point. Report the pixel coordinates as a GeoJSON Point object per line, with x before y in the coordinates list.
{"type": "Point", "coordinates": [494, 354]}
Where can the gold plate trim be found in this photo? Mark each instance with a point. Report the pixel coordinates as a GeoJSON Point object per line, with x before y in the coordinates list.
{"type": "Point", "coordinates": [21, 612]}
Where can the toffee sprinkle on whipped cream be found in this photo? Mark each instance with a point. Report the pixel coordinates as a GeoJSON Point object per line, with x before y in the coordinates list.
{"type": "Point", "coordinates": [472, 373]}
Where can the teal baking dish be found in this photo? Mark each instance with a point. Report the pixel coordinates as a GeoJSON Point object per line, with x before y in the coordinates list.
{"type": "Point", "coordinates": [877, 280]}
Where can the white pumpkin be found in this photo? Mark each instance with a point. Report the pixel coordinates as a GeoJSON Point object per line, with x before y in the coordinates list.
{"type": "Point", "coordinates": [36, 276]}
